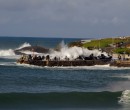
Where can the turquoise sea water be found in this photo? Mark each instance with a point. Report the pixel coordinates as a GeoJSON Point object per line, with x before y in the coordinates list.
{"type": "Point", "coordinates": [25, 87]}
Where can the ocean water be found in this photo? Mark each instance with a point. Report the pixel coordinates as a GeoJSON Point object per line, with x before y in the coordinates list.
{"type": "Point", "coordinates": [25, 87]}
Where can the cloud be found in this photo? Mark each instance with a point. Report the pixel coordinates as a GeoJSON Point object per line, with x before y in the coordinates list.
{"type": "Point", "coordinates": [85, 13]}
{"type": "Point", "coordinates": [75, 10]}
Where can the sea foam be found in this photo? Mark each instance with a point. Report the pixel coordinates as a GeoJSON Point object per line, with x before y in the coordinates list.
{"type": "Point", "coordinates": [8, 52]}
{"type": "Point", "coordinates": [74, 52]}
{"type": "Point", "coordinates": [125, 98]}
{"type": "Point", "coordinates": [23, 45]}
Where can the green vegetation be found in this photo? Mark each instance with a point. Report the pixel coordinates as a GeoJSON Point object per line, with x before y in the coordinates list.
{"type": "Point", "coordinates": [117, 45]}
{"type": "Point", "coordinates": [101, 43]}
{"type": "Point", "coordinates": [98, 43]}
{"type": "Point", "coordinates": [122, 50]}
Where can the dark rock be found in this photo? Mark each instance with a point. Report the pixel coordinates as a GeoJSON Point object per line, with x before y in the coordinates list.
{"type": "Point", "coordinates": [37, 49]}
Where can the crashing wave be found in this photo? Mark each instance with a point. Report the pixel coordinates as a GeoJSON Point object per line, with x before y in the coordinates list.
{"type": "Point", "coordinates": [125, 98]}
{"type": "Point", "coordinates": [24, 45]}
{"type": "Point", "coordinates": [9, 52]}
{"type": "Point", "coordinates": [74, 52]}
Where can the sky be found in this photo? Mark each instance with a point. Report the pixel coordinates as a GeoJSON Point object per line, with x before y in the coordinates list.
{"type": "Point", "coordinates": [65, 18]}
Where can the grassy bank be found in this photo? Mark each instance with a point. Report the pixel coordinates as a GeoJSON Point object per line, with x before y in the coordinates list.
{"type": "Point", "coordinates": [101, 43]}
{"type": "Point", "coordinates": [119, 45]}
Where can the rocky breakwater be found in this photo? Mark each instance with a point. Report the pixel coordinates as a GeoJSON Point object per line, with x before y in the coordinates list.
{"type": "Point", "coordinates": [46, 61]}
{"type": "Point", "coordinates": [64, 56]}
{"type": "Point", "coordinates": [120, 63]}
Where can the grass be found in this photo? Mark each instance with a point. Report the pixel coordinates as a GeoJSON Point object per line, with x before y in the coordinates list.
{"type": "Point", "coordinates": [122, 50]}
{"type": "Point", "coordinates": [101, 43]}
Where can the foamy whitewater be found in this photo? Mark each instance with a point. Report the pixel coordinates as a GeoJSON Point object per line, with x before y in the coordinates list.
{"type": "Point", "coordinates": [28, 87]}
{"type": "Point", "coordinates": [10, 52]}
{"type": "Point", "coordinates": [65, 51]}
{"type": "Point", "coordinates": [125, 98]}
{"type": "Point", "coordinates": [74, 52]}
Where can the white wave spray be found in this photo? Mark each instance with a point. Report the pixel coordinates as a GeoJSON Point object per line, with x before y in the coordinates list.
{"type": "Point", "coordinates": [9, 52]}
{"type": "Point", "coordinates": [24, 45]}
{"type": "Point", "coordinates": [74, 52]}
{"type": "Point", "coordinates": [64, 51]}
{"type": "Point", "coordinates": [125, 98]}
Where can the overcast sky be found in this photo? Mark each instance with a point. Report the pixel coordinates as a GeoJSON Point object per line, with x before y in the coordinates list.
{"type": "Point", "coordinates": [65, 18]}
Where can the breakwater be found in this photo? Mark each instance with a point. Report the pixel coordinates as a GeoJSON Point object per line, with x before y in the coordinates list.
{"type": "Point", "coordinates": [65, 63]}
{"type": "Point", "coordinates": [51, 63]}
{"type": "Point", "coordinates": [120, 63]}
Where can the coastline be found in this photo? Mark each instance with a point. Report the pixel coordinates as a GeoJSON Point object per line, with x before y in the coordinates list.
{"type": "Point", "coordinates": [79, 56]}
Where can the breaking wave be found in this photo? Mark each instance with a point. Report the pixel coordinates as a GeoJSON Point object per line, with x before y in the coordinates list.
{"type": "Point", "coordinates": [65, 51]}
{"type": "Point", "coordinates": [24, 45]}
{"type": "Point", "coordinates": [125, 97]}
{"type": "Point", "coordinates": [74, 52]}
{"type": "Point", "coordinates": [9, 52]}
{"type": "Point", "coordinates": [59, 100]}
{"type": "Point", "coordinates": [65, 99]}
